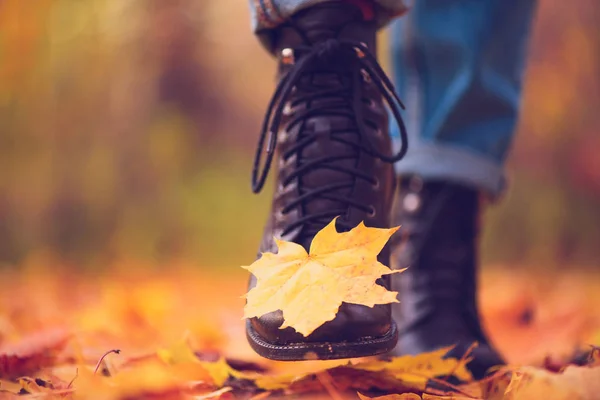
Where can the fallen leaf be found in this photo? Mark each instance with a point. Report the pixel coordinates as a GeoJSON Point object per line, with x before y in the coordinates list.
{"type": "Point", "coordinates": [533, 383]}
{"type": "Point", "coordinates": [404, 373]}
{"type": "Point", "coordinates": [180, 354]}
{"type": "Point", "coordinates": [345, 377]}
{"type": "Point", "coordinates": [213, 395]}
{"type": "Point", "coordinates": [414, 396]}
{"type": "Point", "coordinates": [310, 287]}
{"type": "Point", "coordinates": [31, 353]}
{"type": "Point", "coordinates": [403, 396]}
{"type": "Point", "coordinates": [176, 371]}
{"type": "Point", "coordinates": [416, 371]}
{"type": "Point", "coordinates": [594, 358]}
{"type": "Point", "coordinates": [152, 379]}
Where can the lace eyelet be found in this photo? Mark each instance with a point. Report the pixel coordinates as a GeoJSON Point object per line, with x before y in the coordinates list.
{"type": "Point", "coordinates": [282, 163]}
{"type": "Point", "coordinates": [279, 215]}
{"type": "Point", "coordinates": [282, 136]}
{"type": "Point", "coordinates": [287, 56]}
{"type": "Point", "coordinates": [287, 109]}
{"type": "Point", "coordinates": [375, 185]}
{"type": "Point", "coordinates": [372, 212]}
{"type": "Point", "coordinates": [359, 52]}
{"type": "Point", "coordinates": [365, 76]}
{"type": "Point", "coordinates": [411, 203]}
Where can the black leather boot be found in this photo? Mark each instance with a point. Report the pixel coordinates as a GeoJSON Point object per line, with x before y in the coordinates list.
{"type": "Point", "coordinates": [329, 126]}
{"type": "Point", "coordinates": [437, 293]}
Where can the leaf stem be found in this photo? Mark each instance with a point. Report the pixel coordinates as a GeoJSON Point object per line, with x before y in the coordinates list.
{"type": "Point", "coordinates": [116, 351]}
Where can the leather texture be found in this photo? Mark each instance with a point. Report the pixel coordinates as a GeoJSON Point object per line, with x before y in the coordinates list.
{"type": "Point", "coordinates": [437, 293]}
{"type": "Point", "coordinates": [302, 145]}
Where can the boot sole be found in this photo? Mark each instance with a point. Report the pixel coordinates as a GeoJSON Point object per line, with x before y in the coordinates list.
{"type": "Point", "coordinates": [304, 351]}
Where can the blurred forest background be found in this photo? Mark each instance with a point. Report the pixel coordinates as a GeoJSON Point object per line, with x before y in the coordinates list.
{"type": "Point", "coordinates": [127, 130]}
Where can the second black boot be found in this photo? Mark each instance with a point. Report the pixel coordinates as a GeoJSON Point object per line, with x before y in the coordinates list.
{"type": "Point", "coordinates": [437, 293]}
{"type": "Point", "coordinates": [329, 127]}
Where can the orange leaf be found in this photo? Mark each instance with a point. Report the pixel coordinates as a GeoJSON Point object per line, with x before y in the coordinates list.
{"type": "Point", "coordinates": [403, 396]}
{"type": "Point", "coordinates": [414, 396]}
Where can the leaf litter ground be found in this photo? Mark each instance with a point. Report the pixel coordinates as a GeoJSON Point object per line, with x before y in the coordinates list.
{"type": "Point", "coordinates": [180, 334]}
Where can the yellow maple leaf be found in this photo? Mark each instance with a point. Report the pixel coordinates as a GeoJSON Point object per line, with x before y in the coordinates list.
{"type": "Point", "coordinates": [181, 354]}
{"type": "Point", "coordinates": [415, 371]}
{"type": "Point", "coordinates": [310, 287]}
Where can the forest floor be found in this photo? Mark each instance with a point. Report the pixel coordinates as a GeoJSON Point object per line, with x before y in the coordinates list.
{"type": "Point", "coordinates": [55, 325]}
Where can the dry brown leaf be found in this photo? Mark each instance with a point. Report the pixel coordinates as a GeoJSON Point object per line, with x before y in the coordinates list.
{"type": "Point", "coordinates": [345, 378]}
{"type": "Point", "coordinates": [404, 373]}
{"type": "Point", "coordinates": [414, 396]}
{"type": "Point", "coordinates": [310, 287]}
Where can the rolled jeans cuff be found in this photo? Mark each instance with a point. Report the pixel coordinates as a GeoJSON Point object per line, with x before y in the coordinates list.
{"type": "Point", "coordinates": [442, 162]}
{"type": "Point", "coordinates": [268, 14]}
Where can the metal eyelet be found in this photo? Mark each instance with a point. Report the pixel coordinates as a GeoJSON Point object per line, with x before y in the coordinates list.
{"type": "Point", "coordinates": [280, 188]}
{"type": "Point", "coordinates": [365, 76]}
{"type": "Point", "coordinates": [282, 137]}
{"type": "Point", "coordinates": [411, 202]}
{"type": "Point", "coordinates": [287, 109]}
{"type": "Point", "coordinates": [287, 56]}
{"type": "Point", "coordinates": [372, 211]}
{"type": "Point", "coordinates": [279, 215]}
{"type": "Point", "coordinates": [282, 163]}
{"type": "Point", "coordinates": [375, 185]}
{"type": "Point", "coordinates": [359, 52]}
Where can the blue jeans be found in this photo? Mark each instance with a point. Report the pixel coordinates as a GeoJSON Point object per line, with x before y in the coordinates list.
{"type": "Point", "coordinates": [458, 65]}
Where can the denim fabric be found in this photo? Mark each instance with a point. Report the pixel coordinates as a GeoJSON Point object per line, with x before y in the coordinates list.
{"type": "Point", "coordinates": [270, 13]}
{"type": "Point", "coordinates": [459, 64]}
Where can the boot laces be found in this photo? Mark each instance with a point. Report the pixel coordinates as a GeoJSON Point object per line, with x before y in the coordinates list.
{"type": "Point", "coordinates": [332, 56]}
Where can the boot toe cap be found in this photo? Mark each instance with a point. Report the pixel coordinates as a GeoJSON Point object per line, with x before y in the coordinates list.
{"type": "Point", "coordinates": [353, 322]}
